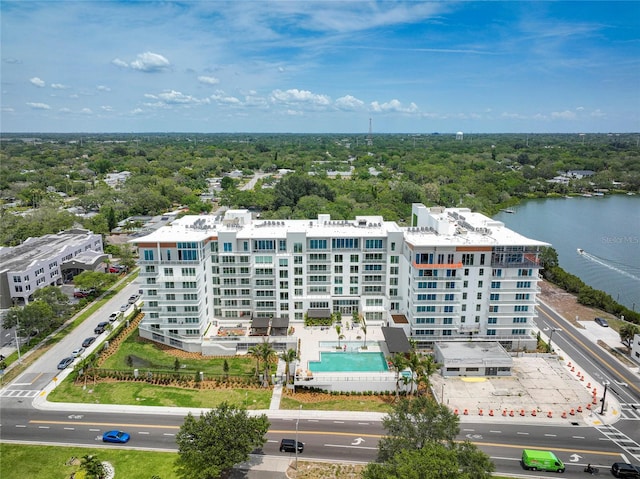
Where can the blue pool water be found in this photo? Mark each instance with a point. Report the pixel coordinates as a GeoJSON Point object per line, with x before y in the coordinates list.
{"type": "Point", "coordinates": [349, 362]}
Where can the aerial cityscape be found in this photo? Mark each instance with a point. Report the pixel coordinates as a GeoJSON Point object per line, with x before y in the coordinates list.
{"type": "Point", "coordinates": [319, 240]}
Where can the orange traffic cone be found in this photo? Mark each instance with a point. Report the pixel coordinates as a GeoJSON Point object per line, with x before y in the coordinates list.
{"type": "Point", "coordinates": [588, 385]}
{"type": "Point", "coordinates": [490, 412]}
{"type": "Point", "coordinates": [480, 412]}
{"type": "Point", "coordinates": [456, 412]}
{"type": "Point", "coordinates": [504, 412]}
{"type": "Point", "coordinates": [579, 408]}
{"type": "Point", "coordinates": [572, 412]}
{"type": "Point", "coordinates": [564, 415]}
{"type": "Point", "coordinates": [522, 412]}
{"type": "Point", "coordinates": [533, 413]}
{"type": "Point", "coordinates": [549, 414]}
{"type": "Point", "coordinates": [511, 413]}
{"type": "Point", "coordinates": [466, 412]}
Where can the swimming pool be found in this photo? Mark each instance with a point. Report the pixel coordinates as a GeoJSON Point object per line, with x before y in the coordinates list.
{"type": "Point", "coordinates": [341, 362]}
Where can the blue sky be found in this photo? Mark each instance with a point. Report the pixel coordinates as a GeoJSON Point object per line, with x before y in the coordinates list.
{"type": "Point", "coordinates": [320, 67]}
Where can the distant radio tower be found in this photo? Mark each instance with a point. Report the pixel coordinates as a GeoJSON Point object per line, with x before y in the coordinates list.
{"type": "Point", "coordinates": [370, 137]}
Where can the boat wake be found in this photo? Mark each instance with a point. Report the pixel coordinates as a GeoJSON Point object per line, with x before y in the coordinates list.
{"type": "Point", "coordinates": [607, 264]}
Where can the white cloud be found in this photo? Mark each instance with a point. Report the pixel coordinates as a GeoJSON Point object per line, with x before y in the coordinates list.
{"type": "Point", "coordinates": [7, 109]}
{"type": "Point", "coordinates": [106, 108]}
{"type": "Point", "coordinates": [103, 88]}
{"type": "Point", "coordinates": [349, 102]}
{"type": "Point", "coordinates": [173, 97]}
{"type": "Point", "coordinates": [120, 63]}
{"type": "Point", "coordinates": [580, 108]}
{"type": "Point", "coordinates": [208, 80]}
{"type": "Point", "coordinates": [59, 86]}
{"type": "Point", "coordinates": [145, 62]}
{"type": "Point", "coordinates": [563, 115]}
{"type": "Point", "coordinates": [227, 100]}
{"type": "Point", "coordinates": [394, 106]}
{"type": "Point", "coordinates": [39, 106]}
{"type": "Point", "coordinates": [64, 110]}
{"type": "Point", "coordinates": [86, 111]}
{"type": "Point", "coordinates": [37, 82]}
{"type": "Point", "coordinates": [150, 62]}
{"type": "Point", "coordinates": [137, 111]}
{"type": "Point", "coordinates": [299, 96]}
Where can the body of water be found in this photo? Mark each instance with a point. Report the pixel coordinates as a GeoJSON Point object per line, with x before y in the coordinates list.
{"type": "Point", "coordinates": [349, 362]}
{"type": "Point", "coordinates": [607, 229]}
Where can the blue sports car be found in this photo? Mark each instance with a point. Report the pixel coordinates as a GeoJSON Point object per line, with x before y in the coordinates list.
{"type": "Point", "coordinates": [119, 437]}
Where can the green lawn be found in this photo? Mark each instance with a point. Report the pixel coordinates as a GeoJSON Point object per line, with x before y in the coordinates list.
{"type": "Point", "coordinates": [149, 356]}
{"type": "Point", "coordinates": [19, 462]}
{"type": "Point", "coordinates": [145, 394]}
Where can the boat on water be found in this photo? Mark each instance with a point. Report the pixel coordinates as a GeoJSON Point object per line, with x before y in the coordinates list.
{"type": "Point", "coordinates": [508, 210]}
{"type": "Point", "coordinates": [580, 251]}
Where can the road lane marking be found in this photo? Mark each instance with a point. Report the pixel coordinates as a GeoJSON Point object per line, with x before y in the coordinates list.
{"type": "Point", "coordinates": [143, 432]}
{"type": "Point", "coordinates": [523, 433]}
{"type": "Point", "coordinates": [497, 432]}
{"type": "Point", "coordinates": [351, 447]}
{"type": "Point", "coordinates": [20, 425]}
{"type": "Point", "coordinates": [599, 356]}
{"type": "Point", "coordinates": [577, 437]}
{"type": "Point", "coordinates": [69, 428]}
{"type": "Point", "coordinates": [551, 435]}
{"type": "Point", "coordinates": [44, 427]}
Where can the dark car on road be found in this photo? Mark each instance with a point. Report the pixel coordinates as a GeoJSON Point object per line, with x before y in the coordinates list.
{"type": "Point", "coordinates": [602, 322]}
{"type": "Point", "coordinates": [118, 437]}
{"type": "Point", "coordinates": [288, 445]}
{"type": "Point", "coordinates": [625, 470]}
{"type": "Point", "coordinates": [65, 362]}
{"type": "Point", "coordinates": [88, 342]}
{"type": "Point", "coordinates": [101, 327]}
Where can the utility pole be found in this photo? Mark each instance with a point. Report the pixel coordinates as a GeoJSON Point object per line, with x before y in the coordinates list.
{"type": "Point", "coordinates": [604, 396]}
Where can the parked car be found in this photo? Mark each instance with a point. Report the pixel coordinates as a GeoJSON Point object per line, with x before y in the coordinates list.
{"type": "Point", "coordinates": [116, 268]}
{"type": "Point", "coordinates": [113, 316]}
{"type": "Point", "coordinates": [288, 445]}
{"type": "Point", "coordinates": [88, 342]}
{"type": "Point", "coordinates": [102, 325]}
{"type": "Point", "coordinates": [133, 298]}
{"type": "Point", "coordinates": [80, 294]}
{"type": "Point", "coordinates": [602, 322]}
{"type": "Point", "coordinates": [77, 352]}
{"type": "Point", "coordinates": [115, 436]}
{"type": "Point", "coordinates": [625, 470]}
{"type": "Point", "coordinates": [65, 362]}
{"type": "Point", "coordinates": [124, 307]}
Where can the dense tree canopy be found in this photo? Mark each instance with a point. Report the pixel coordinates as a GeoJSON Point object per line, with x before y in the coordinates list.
{"type": "Point", "coordinates": [220, 439]}
{"type": "Point", "coordinates": [420, 444]}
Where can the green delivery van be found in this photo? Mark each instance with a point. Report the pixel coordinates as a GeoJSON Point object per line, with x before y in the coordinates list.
{"type": "Point", "coordinates": [541, 461]}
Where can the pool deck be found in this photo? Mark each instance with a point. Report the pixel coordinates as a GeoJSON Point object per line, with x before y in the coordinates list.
{"type": "Point", "coordinates": [312, 337]}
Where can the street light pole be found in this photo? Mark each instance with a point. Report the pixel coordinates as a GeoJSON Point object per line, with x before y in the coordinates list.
{"type": "Point", "coordinates": [553, 330]}
{"type": "Point", "coordinates": [17, 341]}
{"type": "Point", "coordinates": [296, 445]}
{"type": "Point", "coordinates": [604, 396]}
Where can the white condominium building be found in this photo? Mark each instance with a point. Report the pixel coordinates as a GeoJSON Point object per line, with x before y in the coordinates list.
{"type": "Point", "coordinates": [452, 275]}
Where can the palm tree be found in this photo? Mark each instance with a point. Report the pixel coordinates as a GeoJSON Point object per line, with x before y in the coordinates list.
{"type": "Point", "coordinates": [255, 352]}
{"type": "Point", "coordinates": [416, 364]}
{"type": "Point", "coordinates": [399, 362]}
{"type": "Point", "coordinates": [429, 366]}
{"type": "Point", "coordinates": [364, 331]}
{"type": "Point", "coordinates": [340, 336]}
{"type": "Point", "coordinates": [288, 357]}
{"type": "Point", "coordinates": [266, 352]}
{"type": "Point", "coordinates": [92, 466]}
